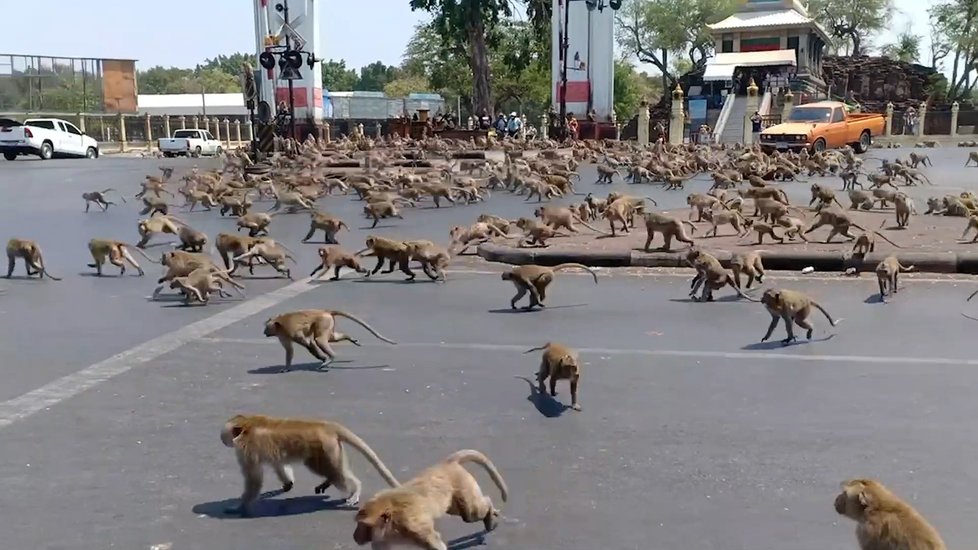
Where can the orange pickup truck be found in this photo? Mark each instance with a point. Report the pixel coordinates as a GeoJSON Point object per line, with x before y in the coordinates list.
{"type": "Point", "coordinates": [823, 125]}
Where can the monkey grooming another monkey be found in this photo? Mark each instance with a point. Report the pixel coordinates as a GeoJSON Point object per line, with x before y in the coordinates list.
{"type": "Point", "coordinates": [260, 440]}
{"type": "Point", "coordinates": [116, 251]}
{"type": "Point", "coordinates": [883, 520]}
{"type": "Point", "coordinates": [794, 307]}
{"type": "Point", "coordinates": [559, 362]}
{"type": "Point", "coordinates": [406, 515]}
{"type": "Point", "coordinates": [886, 273]}
{"type": "Point", "coordinates": [535, 279]}
{"type": "Point", "coordinates": [30, 252]}
{"type": "Point", "coordinates": [98, 197]}
{"type": "Point", "coordinates": [313, 329]}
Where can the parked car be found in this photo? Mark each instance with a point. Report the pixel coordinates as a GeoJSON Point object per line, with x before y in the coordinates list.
{"type": "Point", "coordinates": [824, 125]}
{"type": "Point", "coordinates": [190, 142]}
{"type": "Point", "coordinates": [46, 138]}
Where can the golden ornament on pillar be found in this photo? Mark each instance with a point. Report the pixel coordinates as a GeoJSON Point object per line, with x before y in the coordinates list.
{"type": "Point", "coordinates": [677, 93]}
{"type": "Point", "coordinates": [752, 88]}
{"type": "Point", "coordinates": [788, 96]}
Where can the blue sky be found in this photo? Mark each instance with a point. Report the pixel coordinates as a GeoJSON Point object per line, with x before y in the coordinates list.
{"type": "Point", "coordinates": [185, 32]}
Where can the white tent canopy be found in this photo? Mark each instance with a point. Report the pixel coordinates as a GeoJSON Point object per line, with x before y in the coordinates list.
{"type": "Point", "coordinates": [722, 65]}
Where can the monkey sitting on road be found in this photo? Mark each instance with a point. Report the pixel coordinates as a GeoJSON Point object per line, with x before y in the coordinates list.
{"type": "Point", "coordinates": [278, 442]}
{"type": "Point", "coordinates": [535, 279]}
{"type": "Point", "coordinates": [313, 329]}
{"type": "Point", "coordinates": [886, 273]}
{"type": "Point", "coordinates": [98, 197]}
{"type": "Point", "coordinates": [116, 251]}
{"type": "Point", "coordinates": [559, 362]}
{"type": "Point", "coordinates": [406, 515]}
{"type": "Point", "coordinates": [336, 258]}
{"type": "Point", "coordinates": [794, 307]}
{"type": "Point", "coordinates": [30, 252]}
{"type": "Point", "coordinates": [883, 520]}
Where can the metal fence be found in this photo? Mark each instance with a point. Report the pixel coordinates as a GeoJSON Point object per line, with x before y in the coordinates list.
{"type": "Point", "coordinates": [34, 83]}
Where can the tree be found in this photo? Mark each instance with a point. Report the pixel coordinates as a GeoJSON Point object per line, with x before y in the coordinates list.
{"type": "Point", "coordinates": [375, 76]}
{"type": "Point", "coordinates": [470, 25]}
{"type": "Point", "coordinates": [230, 64]}
{"type": "Point", "coordinates": [443, 64]}
{"type": "Point", "coordinates": [337, 78]}
{"type": "Point", "coordinates": [852, 22]}
{"type": "Point", "coordinates": [407, 84]}
{"type": "Point", "coordinates": [654, 30]}
{"type": "Point", "coordinates": [954, 22]}
{"type": "Point", "coordinates": [906, 48]}
{"type": "Point", "coordinates": [162, 80]}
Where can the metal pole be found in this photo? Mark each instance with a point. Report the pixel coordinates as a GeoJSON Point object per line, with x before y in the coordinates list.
{"type": "Point", "coordinates": [203, 101]}
{"type": "Point", "coordinates": [288, 47]}
{"type": "Point", "coordinates": [564, 44]}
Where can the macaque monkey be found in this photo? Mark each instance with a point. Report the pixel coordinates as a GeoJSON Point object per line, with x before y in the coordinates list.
{"type": "Point", "coordinates": [433, 258]}
{"type": "Point", "coordinates": [560, 216]}
{"type": "Point", "coordinates": [336, 258]}
{"type": "Point", "coordinates": [863, 200]}
{"type": "Point", "coordinates": [536, 233]}
{"type": "Point", "coordinates": [191, 240]}
{"type": "Point", "coordinates": [98, 197]}
{"type": "Point", "coordinates": [535, 279]}
{"type": "Point", "coordinates": [157, 224]}
{"type": "Point", "coordinates": [502, 224]}
{"type": "Point", "coordinates": [329, 225]}
{"type": "Point", "coordinates": [394, 252]}
{"type": "Point", "coordinates": [887, 273]}
{"type": "Point", "coordinates": [273, 253]}
{"type": "Point", "coordinates": [116, 251]}
{"type": "Point", "coordinates": [794, 307]}
{"type": "Point", "coordinates": [293, 202]}
{"type": "Point", "coordinates": [606, 174]}
{"type": "Point", "coordinates": [749, 264]}
{"type": "Point", "coordinates": [30, 252]}
{"type": "Point", "coordinates": [156, 184]}
{"type": "Point", "coordinates": [883, 520]}
{"type": "Point", "coordinates": [919, 159]}
{"type": "Point", "coordinates": [406, 515]}
{"type": "Point", "coordinates": [179, 263]}
{"type": "Point", "coordinates": [762, 229]}
{"type": "Point", "coordinates": [154, 205]}
{"type": "Point", "coordinates": [230, 245]}
{"type": "Point", "coordinates": [202, 282]}
{"type": "Point", "coordinates": [260, 440]}
{"type": "Point", "coordinates": [838, 219]}
{"type": "Point", "coordinates": [475, 234]}
{"type": "Point", "coordinates": [380, 210]}
{"type": "Point", "coordinates": [732, 217]}
{"type": "Point", "coordinates": [670, 227]}
{"type": "Point", "coordinates": [825, 197]}
{"type": "Point", "coordinates": [700, 203]}
{"type": "Point", "coordinates": [559, 362]}
{"type": "Point", "coordinates": [904, 206]}
{"type": "Point", "coordinates": [313, 329]}
{"type": "Point", "coordinates": [711, 275]}
{"type": "Point", "coordinates": [256, 223]}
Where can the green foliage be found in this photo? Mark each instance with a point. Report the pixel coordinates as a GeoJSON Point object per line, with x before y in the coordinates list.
{"type": "Point", "coordinates": [337, 78]}
{"type": "Point", "coordinates": [406, 84]}
{"type": "Point", "coordinates": [375, 76]}
{"type": "Point", "coordinates": [906, 48]}
{"type": "Point", "coordinates": [230, 64]}
{"type": "Point", "coordinates": [631, 87]}
{"type": "Point", "coordinates": [852, 23]}
{"type": "Point", "coordinates": [954, 38]}
{"type": "Point", "coordinates": [657, 31]}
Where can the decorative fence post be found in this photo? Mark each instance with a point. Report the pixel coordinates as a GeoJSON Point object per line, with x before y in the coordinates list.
{"type": "Point", "coordinates": [196, 122]}
{"type": "Point", "coordinates": [81, 122]}
{"type": "Point", "coordinates": [227, 132]}
{"type": "Point", "coordinates": [251, 130]}
{"type": "Point", "coordinates": [954, 118]}
{"type": "Point", "coordinates": [749, 110]}
{"type": "Point", "coordinates": [544, 126]}
{"type": "Point", "coordinates": [149, 132]}
{"type": "Point", "coordinates": [470, 123]}
{"type": "Point", "coordinates": [166, 126]}
{"type": "Point", "coordinates": [123, 146]}
{"type": "Point", "coordinates": [888, 131]}
{"type": "Point", "coordinates": [643, 123]}
{"type": "Point", "coordinates": [789, 100]}
{"type": "Point", "coordinates": [237, 132]}
{"type": "Point", "coordinates": [922, 115]}
{"type": "Point", "coordinates": [678, 120]}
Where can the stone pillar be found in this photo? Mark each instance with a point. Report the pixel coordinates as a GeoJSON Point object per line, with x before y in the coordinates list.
{"type": "Point", "coordinates": [921, 119]}
{"type": "Point", "coordinates": [749, 109]}
{"type": "Point", "coordinates": [237, 132]}
{"type": "Point", "coordinates": [470, 123]}
{"type": "Point", "coordinates": [123, 145]}
{"type": "Point", "coordinates": [677, 120]}
{"type": "Point", "coordinates": [954, 118]}
{"type": "Point", "coordinates": [149, 133]}
{"type": "Point", "coordinates": [196, 123]}
{"type": "Point", "coordinates": [888, 130]}
{"type": "Point", "coordinates": [614, 122]}
{"type": "Point", "coordinates": [377, 131]}
{"type": "Point", "coordinates": [251, 131]}
{"type": "Point", "coordinates": [544, 126]}
{"type": "Point", "coordinates": [183, 122]}
{"type": "Point", "coordinates": [227, 132]}
{"type": "Point", "coordinates": [166, 125]}
{"type": "Point", "coordinates": [360, 134]}
{"type": "Point", "coordinates": [327, 132]}
{"type": "Point", "coordinates": [643, 123]}
{"type": "Point", "coordinates": [789, 103]}
{"type": "Point", "coordinates": [81, 122]}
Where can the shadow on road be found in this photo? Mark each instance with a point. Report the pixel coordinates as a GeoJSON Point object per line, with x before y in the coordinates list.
{"type": "Point", "coordinates": [545, 404]}
{"type": "Point", "coordinates": [535, 309]}
{"type": "Point", "coordinates": [776, 344]}
{"type": "Point", "coordinates": [468, 541]}
{"type": "Point", "coordinates": [314, 367]}
{"type": "Point", "coordinates": [266, 507]}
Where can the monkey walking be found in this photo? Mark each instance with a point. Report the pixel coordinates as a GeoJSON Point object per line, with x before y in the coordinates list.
{"type": "Point", "coordinates": [336, 258]}
{"type": "Point", "coordinates": [887, 273]}
{"type": "Point", "coordinates": [883, 520]}
{"type": "Point", "coordinates": [535, 279]}
{"type": "Point", "coordinates": [313, 329]}
{"type": "Point", "coordinates": [30, 252]}
{"type": "Point", "coordinates": [794, 307]}
{"type": "Point", "coordinates": [260, 440]}
{"type": "Point", "coordinates": [406, 515]}
{"type": "Point", "coordinates": [559, 362]}
{"type": "Point", "coordinates": [116, 252]}
{"type": "Point", "coordinates": [98, 197]}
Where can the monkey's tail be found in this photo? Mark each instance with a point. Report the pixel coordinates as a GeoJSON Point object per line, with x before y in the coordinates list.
{"type": "Point", "coordinates": [539, 348]}
{"type": "Point", "coordinates": [345, 435]}
{"type": "Point", "coordinates": [880, 235]}
{"type": "Point", "coordinates": [363, 324]}
{"type": "Point", "coordinates": [651, 199]}
{"type": "Point", "coordinates": [589, 226]}
{"type": "Point", "coordinates": [569, 265]}
{"type": "Point", "coordinates": [143, 254]}
{"type": "Point", "coordinates": [906, 269]}
{"type": "Point", "coordinates": [826, 314]}
{"type": "Point", "coordinates": [471, 455]}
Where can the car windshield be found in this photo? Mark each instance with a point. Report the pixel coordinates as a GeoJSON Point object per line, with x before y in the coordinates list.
{"type": "Point", "coordinates": [185, 134]}
{"type": "Point", "coordinates": [810, 114]}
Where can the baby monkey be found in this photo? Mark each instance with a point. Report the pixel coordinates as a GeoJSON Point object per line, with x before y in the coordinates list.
{"type": "Point", "coordinates": [794, 307]}
{"type": "Point", "coordinates": [535, 279]}
{"type": "Point", "coordinates": [559, 362]}
{"type": "Point", "coordinates": [406, 515]}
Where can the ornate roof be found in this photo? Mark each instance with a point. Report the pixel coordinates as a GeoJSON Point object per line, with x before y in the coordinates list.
{"type": "Point", "coordinates": [748, 20]}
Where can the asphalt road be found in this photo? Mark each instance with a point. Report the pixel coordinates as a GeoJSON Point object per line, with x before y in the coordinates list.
{"type": "Point", "coordinates": [693, 434]}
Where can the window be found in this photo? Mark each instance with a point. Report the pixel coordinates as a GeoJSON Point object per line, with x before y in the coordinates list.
{"type": "Point", "coordinates": [726, 46]}
{"type": "Point", "coordinates": [810, 114]}
{"type": "Point", "coordinates": [70, 128]}
{"type": "Point", "coordinates": [793, 44]}
{"type": "Point", "coordinates": [48, 124]}
{"type": "Point", "coordinates": [189, 134]}
{"type": "Point", "coordinates": [838, 115]}
{"type": "Point", "coordinates": [208, 136]}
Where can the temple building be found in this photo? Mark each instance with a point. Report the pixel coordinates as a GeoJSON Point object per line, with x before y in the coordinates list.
{"type": "Point", "coordinates": [768, 40]}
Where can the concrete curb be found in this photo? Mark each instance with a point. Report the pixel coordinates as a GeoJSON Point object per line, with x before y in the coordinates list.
{"type": "Point", "coordinates": [929, 262]}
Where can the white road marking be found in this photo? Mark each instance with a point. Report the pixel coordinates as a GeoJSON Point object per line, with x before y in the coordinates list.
{"type": "Point", "coordinates": [71, 385]}
{"type": "Point", "coordinates": [738, 355]}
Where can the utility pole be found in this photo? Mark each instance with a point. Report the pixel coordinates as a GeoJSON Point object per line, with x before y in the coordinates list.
{"type": "Point", "coordinates": [288, 47]}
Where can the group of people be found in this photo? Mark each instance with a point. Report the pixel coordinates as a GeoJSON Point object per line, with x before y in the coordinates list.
{"type": "Point", "coordinates": [503, 126]}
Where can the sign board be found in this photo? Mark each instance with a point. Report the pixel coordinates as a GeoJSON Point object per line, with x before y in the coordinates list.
{"type": "Point", "coordinates": [298, 42]}
{"type": "Point", "coordinates": [697, 109]}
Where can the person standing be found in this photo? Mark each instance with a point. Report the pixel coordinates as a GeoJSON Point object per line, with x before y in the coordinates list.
{"type": "Point", "coordinates": [755, 126]}
{"type": "Point", "coordinates": [515, 125]}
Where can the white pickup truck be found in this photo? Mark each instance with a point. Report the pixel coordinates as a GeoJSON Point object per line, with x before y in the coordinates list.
{"type": "Point", "coordinates": [190, 142]}
{"type": "Point", "coordinates": [46, 138]}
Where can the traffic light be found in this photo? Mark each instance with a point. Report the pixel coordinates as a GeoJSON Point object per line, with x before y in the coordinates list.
{"type": "Point", "coordinates": [614, 4]}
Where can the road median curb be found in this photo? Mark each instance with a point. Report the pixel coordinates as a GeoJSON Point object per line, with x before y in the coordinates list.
{"type": "Point", "coordinates": [930, 262]}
